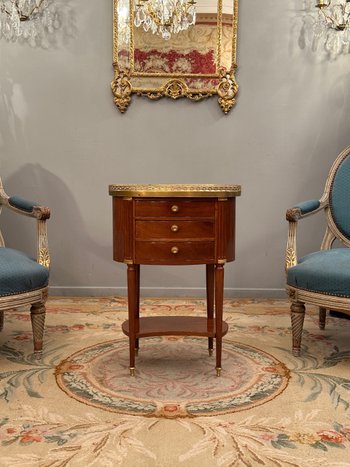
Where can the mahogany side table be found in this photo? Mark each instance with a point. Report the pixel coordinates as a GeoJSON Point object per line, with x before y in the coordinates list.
{"type": "Point", "coordinates": [175, 225]}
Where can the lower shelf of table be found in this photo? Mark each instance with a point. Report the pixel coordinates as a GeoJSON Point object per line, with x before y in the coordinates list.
{"type": "Point", "coordinates": [175, 326]}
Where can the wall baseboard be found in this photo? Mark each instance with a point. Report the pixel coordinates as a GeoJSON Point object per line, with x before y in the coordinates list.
{"type": "Point", "coordinates": [164, 292]}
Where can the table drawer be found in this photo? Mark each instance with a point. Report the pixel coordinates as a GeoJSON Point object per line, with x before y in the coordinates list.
{"type": "Point", "coordinates": [172, 230]}
{"type": "Point", "coordinates": [174, 208]}
{"type": "Point", "coordinates": [175, 252]}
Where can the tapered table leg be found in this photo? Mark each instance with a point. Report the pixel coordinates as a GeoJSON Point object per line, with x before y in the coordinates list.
{"type": "Point", "coordinates": [132, 307]}
{"type": "Point", "coordinates": [210, 300]}
{"type": "Point", "coordinates": [137, 310]}
{"type": "Point", "coordinates": [219, 302]}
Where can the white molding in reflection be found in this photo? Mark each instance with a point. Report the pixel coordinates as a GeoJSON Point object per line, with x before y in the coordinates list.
{"type": "Point", "coordinates": [210, 6]}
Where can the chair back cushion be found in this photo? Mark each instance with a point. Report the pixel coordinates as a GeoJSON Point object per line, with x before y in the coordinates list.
{"type": "Point", "coordinates": [19, 273]}
{"type": "Point", "coordinates": [339, 197]}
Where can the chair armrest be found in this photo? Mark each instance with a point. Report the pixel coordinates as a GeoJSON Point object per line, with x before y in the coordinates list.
{"type": "Point", "coordinates": [21, 203]}
{"type": "Point", "coordinates": [299, 211]}
{"type": "Point", "coordinates": [26, 207]}
{"type": "Point", "coordinates": [31, 209]}
{"type": "Point", "coordinates": [304, 209]}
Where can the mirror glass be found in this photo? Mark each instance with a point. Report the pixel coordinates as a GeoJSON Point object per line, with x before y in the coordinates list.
{"type": "Point", "coordinates": [175, 48]}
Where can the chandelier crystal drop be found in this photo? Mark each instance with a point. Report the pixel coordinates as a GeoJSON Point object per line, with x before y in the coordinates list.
{"type": "Point", "coordinates": [165, 17]}
{"type": "Point", "coordinates": [332, 26]}
{"type": "Point", "coordinates": [28, 20]}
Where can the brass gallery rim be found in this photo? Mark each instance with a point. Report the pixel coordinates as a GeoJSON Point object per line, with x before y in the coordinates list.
{"type": "Point", "coordinates": [176, 190]}
{"type": "Point", "coordinates": [174, 378]}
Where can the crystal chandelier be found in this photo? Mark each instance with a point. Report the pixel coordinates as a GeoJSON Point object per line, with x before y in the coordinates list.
{"type": "Point", "coordinates": [333, 26]}
{"type": "Point", "coordinates": [28, 20]}
{"type": "Point", "coordinates": [165, 17]}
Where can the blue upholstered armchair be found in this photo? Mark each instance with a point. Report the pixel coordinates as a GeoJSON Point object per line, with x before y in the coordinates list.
{"type": "Point", "coordinates": [24, 280]}
{"type": "Point", "coordinates": [321, 278]}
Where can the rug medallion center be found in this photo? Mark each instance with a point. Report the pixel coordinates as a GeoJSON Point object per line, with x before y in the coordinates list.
{"type": "Point", "coordinates": [175, 377]}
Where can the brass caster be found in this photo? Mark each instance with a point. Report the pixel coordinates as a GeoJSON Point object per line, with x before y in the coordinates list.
{"type": "Point", "coordinates": [136, 351]}
{"type": "Point", "coordinates": [132, 371]}
{"type": "Point", "coordinates": [37, 354]}
{"type": "Point", "coordinates": [218, 371]}
{"type": "Point", "coordinates": [210, 352]}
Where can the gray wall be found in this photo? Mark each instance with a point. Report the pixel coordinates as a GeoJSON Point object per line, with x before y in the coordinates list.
{"type": "Point", "coordinates": [62, 142]}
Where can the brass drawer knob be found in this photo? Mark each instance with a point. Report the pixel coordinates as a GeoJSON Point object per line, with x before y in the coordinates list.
{"type": "Point", "coordinates": [174, 250]}
{"type": "Point", "coordinates": [174, 208]}
{"type": "Point", "coordinates": [174, 228]}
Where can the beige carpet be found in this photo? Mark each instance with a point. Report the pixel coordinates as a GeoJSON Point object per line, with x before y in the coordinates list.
{"type": "Point", "coordinates": [79, 407]}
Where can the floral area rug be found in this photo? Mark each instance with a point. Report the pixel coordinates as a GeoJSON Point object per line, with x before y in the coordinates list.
{"type": "Point", "coordinates": [78, 406]}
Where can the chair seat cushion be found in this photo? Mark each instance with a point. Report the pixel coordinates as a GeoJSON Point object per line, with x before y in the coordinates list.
{"type": "Point", "coordinates": [19, 273]}
{"type": "Point", "coordinates": [326, 271]}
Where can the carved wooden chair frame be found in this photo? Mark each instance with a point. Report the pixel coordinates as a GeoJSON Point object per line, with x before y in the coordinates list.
{"type": "Point", "coordinates": [300, 296]}
{"type": "Point", "coordinates": [36, 298]}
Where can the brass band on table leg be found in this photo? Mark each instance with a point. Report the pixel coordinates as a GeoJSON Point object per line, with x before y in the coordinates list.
{"type": "Point", "coordinates": [218, 371]}
{"type": "Point", "coordinates": [210, 352]}
{"type": "Point", "coordinates": [132, 371]}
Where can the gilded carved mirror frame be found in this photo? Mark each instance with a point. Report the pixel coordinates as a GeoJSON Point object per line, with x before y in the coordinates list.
{"type": "Point", "coordinates": [128, 81]}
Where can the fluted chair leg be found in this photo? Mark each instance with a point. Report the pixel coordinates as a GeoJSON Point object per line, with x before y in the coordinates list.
{"type": "Point", "coordinates": [322, 318]}
{"type": "Point", "coordinates": [37, 315]}
{"type": "Point", "coordinates": [1, 320]}
{"type": "Point", "coordinates": [297, 316]}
